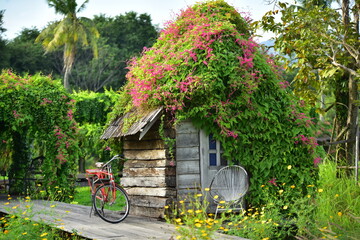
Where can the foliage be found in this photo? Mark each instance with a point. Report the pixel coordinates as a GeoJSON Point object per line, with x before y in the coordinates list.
{"type": "Point", "coordinates": [91, 110]}
{"type": "Point", "coordinates": [206, 67]}
{"type": "Point", "coordinates": [325, 45]}
{"type": "Point", "coordinates": [192, 220]}
{"type": "Point", "coordinates": [122, 37]}
{"type": "Point", "coordinates": [37, 119]}
{"type": "Point", "coordinates": [69, 32]}
{"type": "Point", "coordinates": [330, 210]}
{"type": "Point", "coordinates": [19, 225]}
{"type": "Point", "coordinates": [338, 205]}
{"type": "Point", "coordinates": [28, 57]}
{"type": "Point", "coordinates": [4, 53]}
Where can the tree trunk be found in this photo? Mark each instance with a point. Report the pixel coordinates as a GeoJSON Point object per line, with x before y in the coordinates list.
{"type": "Point", "coordinates": [341, 109]}
{"type": "Point", "coordinates": [66, 79]}
{"type": "Point", "coordinates": [352, 120]}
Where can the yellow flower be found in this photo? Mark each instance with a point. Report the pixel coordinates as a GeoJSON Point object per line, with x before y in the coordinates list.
{"type": "Point", "coordinates": [178, 237]}
{"type": "Point", "coordinates": [320, 190]}
{"type": "Point", "coordinates": [27, 197]}
{"type": "Point", "coordinates": [199, 195]}
{"type": "Point", "coordinates": [262, 185]}
{"type": "Point", "coordinates": [216, 197]}
{"type": "Point", "coordinates": [27, 218]}
{"type": "Point", "coordinates": [178, 220]}
{"type": "Point", "coordinates": [285, 207]}
{"type": "Point", "coordinates": [166, 207]}
{"type": "Point", "coordinates": [265, 238]}
{"type": "Point", "coordinates": [281, 191]}
{"type": "Point", "coordinates": [24, 233]}
{"type": "Point", "coordinates": [308, 195]}
{"type": "Point", "coordinates": [6, 231]}
{"type": "Point", "coordinates": [339, 214]}
{"type": "Point", "coordinates": [190, 211]}
{"type": "Point", "coordinates": [337, 195]}
{"type": "Point", "coordinates": [204, 234]}
{"type": "Point", "coordinates": [7, 203]}
{"type": "Point", "coordinates": [289, 167]}
{"type": "Point", "coordinates": [198, 211]}
{"type": "Point", "coordinates": [229, 211]}
{"type": "Point", "coordinates": [181, 202]}
{"type": "Point", "coordinates": [198, 225]}
{"type": "Point", "coordinates": [207, 189]}
{"type": "Point", "coordinates": [43, 234]}
{"type": "Point", "coordinates": [52, 206]}
{"type": "Point", "coordinates": [292, 186]}
{"type": "Point", "coordinates": [222, 202]}
{"type": "Point", "coordinates": [310, 185]}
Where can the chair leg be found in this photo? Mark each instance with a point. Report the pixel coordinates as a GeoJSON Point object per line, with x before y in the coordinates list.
{"type": "Point", "coordinates": [216, 211]}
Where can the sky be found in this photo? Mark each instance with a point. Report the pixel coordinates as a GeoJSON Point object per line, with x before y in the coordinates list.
{"type": "Point", "coordinates": [20, 14]}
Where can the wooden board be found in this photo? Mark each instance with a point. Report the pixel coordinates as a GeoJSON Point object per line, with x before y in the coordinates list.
{"type": "Point", "coordinates": [70, 218]}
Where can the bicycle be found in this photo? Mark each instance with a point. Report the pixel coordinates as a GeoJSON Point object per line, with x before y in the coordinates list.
{"type": "Point", "coordinates": [109, 199]}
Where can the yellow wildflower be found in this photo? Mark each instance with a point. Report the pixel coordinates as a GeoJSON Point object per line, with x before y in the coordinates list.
{"type": "Point", "coordinates": [339, 214]}
{"type": "Point", "coordinates": [289, 167]}
{"type": "Point", "coordinates": [207, 189]}
{"type": "Point", "coordinates": [292, 186]}
{"type": "Point", "coordinates": [44, 234]}
{"type": "Point", "coordinates": [320, 190]}
{"type": "Point", "coordinates": [198, 225]}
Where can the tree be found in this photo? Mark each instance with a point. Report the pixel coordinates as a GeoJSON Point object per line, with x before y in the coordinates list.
{"type": "Point", "coordinates": [325, 43]}
{"type": "Point", "coordinates": [4, 54]}
{"type": "Point", "coordinates": [25, 56]}
{"type": "Point", "coordinates": [69, 32]}
{"type": "Point", "coordinates": [122, 37]}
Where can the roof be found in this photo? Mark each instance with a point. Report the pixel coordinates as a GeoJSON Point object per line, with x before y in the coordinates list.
{"type": "Point", "coordinates": [148, 118]}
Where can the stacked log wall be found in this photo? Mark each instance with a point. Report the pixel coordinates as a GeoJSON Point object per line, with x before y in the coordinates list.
{"type": "Point", "coordinates": [149, 175]}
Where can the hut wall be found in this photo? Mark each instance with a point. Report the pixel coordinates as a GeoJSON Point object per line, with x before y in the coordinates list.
{"type": "Point", "coordinates": [188, 178]}
{"type": "Point", "coordinates": [149, 175]}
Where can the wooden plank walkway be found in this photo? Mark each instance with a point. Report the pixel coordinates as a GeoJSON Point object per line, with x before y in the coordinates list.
{"type": "Point", "coordinates": [75, 218]}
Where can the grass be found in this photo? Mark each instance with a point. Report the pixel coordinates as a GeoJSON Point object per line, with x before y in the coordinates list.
{"type": "Point", "coordinates": [82, 196]}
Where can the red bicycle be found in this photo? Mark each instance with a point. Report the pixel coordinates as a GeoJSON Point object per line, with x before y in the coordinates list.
{"type": "Point", "coordinates": [110, 200]}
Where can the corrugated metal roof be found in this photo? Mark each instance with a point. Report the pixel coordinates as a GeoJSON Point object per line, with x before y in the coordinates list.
{"type": "Point", "coordinates": [148, 118]}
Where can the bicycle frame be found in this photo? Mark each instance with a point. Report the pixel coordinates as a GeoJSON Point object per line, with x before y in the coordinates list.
{"type": "Point", "coordinates": [98, 177]}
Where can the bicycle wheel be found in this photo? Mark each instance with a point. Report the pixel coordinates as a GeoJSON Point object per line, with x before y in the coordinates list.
{"type": "Point", "coordinates": [111, 203]}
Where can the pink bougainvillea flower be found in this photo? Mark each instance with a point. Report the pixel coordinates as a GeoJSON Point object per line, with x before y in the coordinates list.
{"type": "Point", "coordinates": [317, 160]}
{"type": "Point", "coordinates": [273, 181]}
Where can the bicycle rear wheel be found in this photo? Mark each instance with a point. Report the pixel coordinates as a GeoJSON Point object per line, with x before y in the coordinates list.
{"type": "Point", "coordinates": [111, 203]}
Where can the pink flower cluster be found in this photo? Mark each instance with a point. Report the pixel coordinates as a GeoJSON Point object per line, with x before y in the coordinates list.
{"type": "Point", "coordinates": [45, 101]}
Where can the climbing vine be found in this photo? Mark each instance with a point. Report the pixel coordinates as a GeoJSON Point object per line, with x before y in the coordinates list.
{"type": "Point", "coordinates": [206, 67]}
{"type": "Point", "coordinates": [36, 119]}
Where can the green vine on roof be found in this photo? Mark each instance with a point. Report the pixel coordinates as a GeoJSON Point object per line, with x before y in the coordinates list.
{"type": "Point", "coordinates": [206, 67]}
{"type": "Point", "coordinates": [36, 119]}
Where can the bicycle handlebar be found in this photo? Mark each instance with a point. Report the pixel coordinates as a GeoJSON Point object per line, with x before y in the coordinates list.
{"type": "Point", "coordinates": [112, 159]}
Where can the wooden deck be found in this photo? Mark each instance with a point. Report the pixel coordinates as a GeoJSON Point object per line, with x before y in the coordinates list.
{"type": "Point", "coordinates": [75, 218]}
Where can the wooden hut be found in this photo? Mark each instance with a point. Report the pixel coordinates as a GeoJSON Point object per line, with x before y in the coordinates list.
{"type": "Point", "coordinates": [152, 176]}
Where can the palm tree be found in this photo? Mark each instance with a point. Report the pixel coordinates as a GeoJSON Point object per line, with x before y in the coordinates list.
{"type": "Point", "coordinates": [69, 32]}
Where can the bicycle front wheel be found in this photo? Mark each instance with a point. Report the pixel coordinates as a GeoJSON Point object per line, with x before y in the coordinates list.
{"type": "Point", "coordinates": [111, 203]}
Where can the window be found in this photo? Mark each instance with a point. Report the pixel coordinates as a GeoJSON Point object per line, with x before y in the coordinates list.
{"type": "Point", "coordinates": [215, 152]}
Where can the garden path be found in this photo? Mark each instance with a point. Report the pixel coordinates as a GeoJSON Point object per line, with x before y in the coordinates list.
{"type": "Point", "coordinates": [75, 218]}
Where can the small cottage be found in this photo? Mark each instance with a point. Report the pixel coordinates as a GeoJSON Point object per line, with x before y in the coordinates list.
{"type": "Point", "coordinates": [153, 176]}
{"type": "Point", "coordinates": [206, 67]}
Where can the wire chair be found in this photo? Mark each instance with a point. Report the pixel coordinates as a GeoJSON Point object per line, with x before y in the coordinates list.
{"type": "Point", "coordinates": [228, 187]}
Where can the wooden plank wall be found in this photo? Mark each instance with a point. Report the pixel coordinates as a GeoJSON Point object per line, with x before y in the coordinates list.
{"type": "Point", "coordinates": [187, 159]}
{"type": "Point", "coordinates": [149, 175]}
